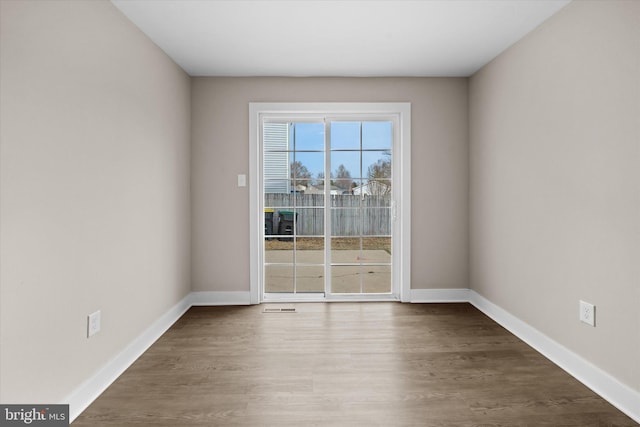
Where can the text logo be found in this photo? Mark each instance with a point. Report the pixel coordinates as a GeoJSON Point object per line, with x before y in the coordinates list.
{"type": "Point", "coordinates": [34, 415]}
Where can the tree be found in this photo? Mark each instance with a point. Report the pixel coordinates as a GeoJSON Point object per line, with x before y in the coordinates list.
{"type": "Point", "coordinates": [300, 174]}
{"type": "Point", "coordinates": [379, 176]}
{"type": "Point", "coordinates": [343, 178]}
{"type": "Point", "coordinates": [321, 181]}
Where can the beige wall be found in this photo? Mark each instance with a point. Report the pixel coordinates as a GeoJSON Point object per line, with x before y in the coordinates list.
{"type": "Point", "coordinates": [220, 151]}
{"type": "Point", "coordinates": [95, 191]}
{"type": "Point", "coordinates": [555, 181]}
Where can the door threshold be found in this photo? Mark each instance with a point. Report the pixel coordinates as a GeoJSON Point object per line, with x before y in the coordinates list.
{"type": "Point", "coordinates": [279, 310]}
{"type": "Point", "coordinates": [318, 297]}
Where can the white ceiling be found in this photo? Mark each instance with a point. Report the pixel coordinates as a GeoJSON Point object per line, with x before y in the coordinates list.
{"type": "Point", "coordinates": [336, 38]}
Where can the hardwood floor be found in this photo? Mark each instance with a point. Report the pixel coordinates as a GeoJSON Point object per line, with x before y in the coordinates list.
{"type": "Point", "coordinates": [345, 364]}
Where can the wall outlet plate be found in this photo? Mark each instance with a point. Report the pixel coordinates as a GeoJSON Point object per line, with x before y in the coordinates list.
{"type": "Point", "coordinates": [587, 313]}
{"type": "Point", "coordinates": [93, 323]}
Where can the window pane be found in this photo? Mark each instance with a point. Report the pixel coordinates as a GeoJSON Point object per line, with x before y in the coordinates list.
{"type": "Point", "coordinates": [310, 278]}
{"type": "Point", "coordinates": [376, 221]}
{"type": "Point", "coordinates": [269, 230]}
{"type": "Point", "coordinates": [275, 136]}
{"type": "Point", "coordinates": [278, 251]}
{"type": "Point", "coordinates": [345, 250]}
{"type": "Point", "coordinates": [345, 135]}
{"type": "Point", "coordinates": [358, 188]}
{"type": "Point", "coordinates": [306, 166]}
{"type": "Point", "coordinates": [286, 223]}
{"type": "Point", "coordinates": [278, 278]}
{"type": "Point", "coordinates": [277, 194]}
{"type": "Point", "coordinates": [310, 250]}
{"type": "Point", "coordinates": [346, 221]}
{"type": "Point", "coordinates": [343, 185]}
{"type": "Point", "coordinates": [345, 279]}
{"type": "Point", "coordinates": [376, 279]}
{"type": "Point", "coordinates": [376, 135]}
{"type": "Point", "coordinates": [376, 164]}
{"type": "Point", "coordinates": [310, 222]}
{"type": "Point", "coordinates": [302, 199]}
{"type": "Point", "coordinates": [276, 165]}
{"type": "Point", "coordinates": [345, 164]}
{"type": "Point", "coordinates": [380, 245]}
{"type": "Point", "coordinates": [315, 187]}
{"type": "Point", "coordinates": [308, 136]}
{"type": "Point", "coordinates": [380, 189]}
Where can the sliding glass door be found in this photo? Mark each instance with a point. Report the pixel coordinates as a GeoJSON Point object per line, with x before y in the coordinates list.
{"type": "Point", "coordinates": [328, 207]}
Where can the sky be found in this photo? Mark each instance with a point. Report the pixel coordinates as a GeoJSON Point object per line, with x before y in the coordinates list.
{"type": "Point", "coordinates": [307, 141]}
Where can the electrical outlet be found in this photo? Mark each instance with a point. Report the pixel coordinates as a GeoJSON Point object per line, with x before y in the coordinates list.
{"type": "Point", "coordinates": [93, 323]}
{"type": "Point", "coordinates": [588, 313]}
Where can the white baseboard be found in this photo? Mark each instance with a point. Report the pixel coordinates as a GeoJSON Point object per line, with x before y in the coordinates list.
{"type": "Point", "coordinates": [439, 295]}
{"type": "Point", "coordinates": [618, 394]}
{"type": "Point", "coordinates": [86, 393]}
{"type": "Point", "coordinates": [220, 298]}
{"type": "Point", "coordinates": [612, 390]}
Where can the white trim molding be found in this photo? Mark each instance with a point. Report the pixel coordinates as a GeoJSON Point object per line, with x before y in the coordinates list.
{"type": "Point", "coordinates": [91, 389]}
{"type": "Point", "coordinates": [439, 295]}
{"type": "Point", "coordinates": [220, 298]}
{"type": "Point", "coordinates": [618, 394]}
{"type": "Point", "coordinates": [400, 113]}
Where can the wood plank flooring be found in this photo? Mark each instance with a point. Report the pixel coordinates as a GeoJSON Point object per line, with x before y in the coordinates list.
{"type": "Point", "coordinates": [345, 364]}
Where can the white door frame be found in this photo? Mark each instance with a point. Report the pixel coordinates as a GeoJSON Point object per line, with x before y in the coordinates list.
{"type": "Point", "coordinates": [401, 194]}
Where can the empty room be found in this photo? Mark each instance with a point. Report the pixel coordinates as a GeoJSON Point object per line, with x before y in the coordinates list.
{"type": "Point", "coordinates": [320, 212]}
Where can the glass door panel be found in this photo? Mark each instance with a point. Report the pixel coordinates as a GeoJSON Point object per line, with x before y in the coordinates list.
{"type": "Point", "coordinates": [360, 235]}
{"type": "Point", "coordinates": [278, 278]}
{"type": "Point", "coordinates": [293, 198]}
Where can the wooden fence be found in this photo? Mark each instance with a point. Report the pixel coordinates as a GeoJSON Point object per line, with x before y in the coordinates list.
{"type": "Point", "coordinates": [351, 215]}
